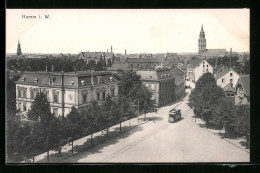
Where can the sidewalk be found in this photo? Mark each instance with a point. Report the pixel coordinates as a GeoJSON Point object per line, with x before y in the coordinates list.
{"type": "Point", "coordinates": [237, 141]}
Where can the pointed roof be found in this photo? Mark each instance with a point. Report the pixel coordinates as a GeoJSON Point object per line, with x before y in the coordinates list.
{"type": "Point", "coordinates": [229, 88]}
{"type": "Point", "coordinates": [202, 28]}
{"type": "Point", "coordinates": [244, 80]}
{"type": "Point", "coordinates": [223, 71]}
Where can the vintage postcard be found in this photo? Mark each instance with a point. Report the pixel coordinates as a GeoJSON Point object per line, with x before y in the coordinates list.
{"type": "Point", "coordinates": [127, 85]}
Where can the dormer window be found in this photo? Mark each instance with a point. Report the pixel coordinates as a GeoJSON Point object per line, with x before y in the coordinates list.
{"type": "Point", "coordinates": [111, 79]}
{"type": "Point", "coordinates": [162, 76]}
{"type": "Point", "coordinates": [23, 79]}
{"type": "Point", "coordinates": [72, 82]}
{"type": "Point", "coordinates": [150, 77]}
{"type": "Point", "coordinates": [83, 82]}
{"type": "Point", "coordinates": [51, 81]}
{"type": "Point", "coordinates": [36, 80]}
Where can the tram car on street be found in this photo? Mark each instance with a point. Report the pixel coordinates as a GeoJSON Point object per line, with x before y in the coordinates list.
{"type": "Point", "coordinates": [174, 115]}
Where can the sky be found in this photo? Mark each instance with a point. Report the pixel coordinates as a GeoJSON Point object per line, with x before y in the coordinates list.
{"type": "Point", "coordinates": [136, 30]}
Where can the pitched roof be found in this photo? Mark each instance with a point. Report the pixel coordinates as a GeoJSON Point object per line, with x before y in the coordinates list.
{"type": "Point", "coordinates": [144, 60]}
{"type": "Point", "coordinates": [245, 82]}
{"type": "Point", "coordinates": [214, 53]}
{"type": "Point", "coordinates": [43, 78]}
{"type": "Point", "coordinates": [229, 88]}
{"type": "Point", "coordinates": [122, 66]}
{"type": "Point", "coordinates": [222, 71]}
{"type": "Point", "coordinates": [196, 62]}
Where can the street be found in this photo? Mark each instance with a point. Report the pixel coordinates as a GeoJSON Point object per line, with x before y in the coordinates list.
{"type": "Point", "coordinates": [160, 141]}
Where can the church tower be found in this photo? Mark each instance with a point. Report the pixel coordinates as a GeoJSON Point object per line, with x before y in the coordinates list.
{"type": "Point", "coordinates": [202, 41]}
{"type": "Point", "coordinates": [19, 51]}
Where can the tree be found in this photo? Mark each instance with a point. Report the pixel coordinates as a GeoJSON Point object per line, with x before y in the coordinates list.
{"type": "Point", "coordinates": [46, 126]}
{"type": "Point", "coordinates": [92, 116]}
{"type": "Point", "coordinates": [243, 122]}
{"type": "Point", "coordinates": [206, 97]}
{"type": "Point", "coordinates": [122, 109]}
{"type": "Point", "coordinates": [130, 80]}
{"type": "Point", "coordinates": [74, 125]}
{"type": "Point", "coordinates": [107, 113]}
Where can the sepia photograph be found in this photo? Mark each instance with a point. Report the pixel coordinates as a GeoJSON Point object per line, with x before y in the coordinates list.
{"type": "Point", "coordinates": [127, 86]}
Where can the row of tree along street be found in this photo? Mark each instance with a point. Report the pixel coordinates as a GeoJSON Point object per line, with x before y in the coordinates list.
{"type": "Point", "coordinates": [43, 131]}
{"type": "Point", "coordinates": [210, 103]}
{"type": "Point", "coordinates": [65, 64]}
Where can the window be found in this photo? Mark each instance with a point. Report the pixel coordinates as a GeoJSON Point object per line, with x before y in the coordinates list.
{"type": "Point", "coordinates": [55, 98]}
{"type": "Point", "coordinates": [19, 106]}
{"type": "Point", "coordinates": [223, 80]}
{"type": "Point", "coordinates": [137, 65]}
{"type": "Point", "coordinates": [232, 95]}
{"type": "Point", "coordinates": [104, 95]}
{"type": "Point", "coordinates": [203, 65]}
{"type": "Point", "coordinates": [153, 86]}
{"type": "Point", "coordinates": [24, 93]}
{"type": "Point", "coordinates": [84, 98]}
{"type": "Point", "coordinates": [228, 95]}
{"type": "Point", "coordinates": [207, 65]}
{"type": "Point", "coordinates": [112, 92]}
{"type": "Point", "coordinates": [24, 106]}
{"type": "Point", "coordinates": [98, 94]}
{"type": "Point", "coordinates": [231, 81]}
{"type": "Point", "coordinates": [231, 74]}
{"type": "Point", "coordinates": [19, 93]}
{"type": "Point", "coordinates": [83, 82]}
{"type": "Point", "coordinates": [51, 81]}
{"type": "Point", "coordinates": [32, 94]}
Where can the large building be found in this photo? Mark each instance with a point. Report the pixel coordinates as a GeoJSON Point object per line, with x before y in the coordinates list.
{"type": "Point", "coordinates": [197, 68]}
{"type": "Point", "coordinates": [208, 53]}
{"type": "Point", "coordinates": [64, 90]}
{"type": "Point", "coordinates": [161, 83]}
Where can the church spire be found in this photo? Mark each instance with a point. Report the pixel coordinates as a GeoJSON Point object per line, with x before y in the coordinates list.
{"type": "Point", "coordinates": [202, 41]}
{"type": "Point", "coordinates": [19, 51]}
{"type": "Point", "coordinates": [201, 29]}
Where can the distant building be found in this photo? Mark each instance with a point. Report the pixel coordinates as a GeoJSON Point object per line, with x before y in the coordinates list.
{"type": "Point", "coordinates": [143, 63]}
{"type": "Point", "coordinates": [64, 90]}
{"type": "Point", "coordinates": [226, 75]}
{"type": "Point", "coordinates": [122, 66]}
{"type": "Point", "coordinates": [161, 83]}
{"type": "Point", "coordinates": [242, 90]}
{"type": "Point", "coordinates": [203, 52]}
{"type": "Point", "coordinates": [197, 68]}
{"type": "Point", "coordinates": [107, 57]}
{"type": "Point", "coordinates": [19, 50]}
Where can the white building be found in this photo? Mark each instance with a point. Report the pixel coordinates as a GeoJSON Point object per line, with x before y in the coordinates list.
{"type": "Point", "coordinates": [64, 90]}
{"type": "Point", "coordinates": [225, 76]}
{"type": "Point", "coordinates": [197, 68]}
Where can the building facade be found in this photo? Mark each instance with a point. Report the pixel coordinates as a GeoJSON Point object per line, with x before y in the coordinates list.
{"type": "Point", "coordinates": [161, 83]}
{"type": "Point", "coordinates": [242, 90]}
{"type": "Point", "coordinates": [64, 90]}
{"type": "Point", "coordinates": [225, 76]}
{"type": "Point", "coordinates": [106, 57]}
{"type": "Point", "coordinates": [179, 76]}
{"type": "Point", "coordinates": [197, 68]}
{"type": "Point", "coordinates": [143, 63]}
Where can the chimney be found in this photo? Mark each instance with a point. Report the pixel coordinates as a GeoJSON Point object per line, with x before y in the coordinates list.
{"type": "Point", "coordinates": [52, 68]}
{"type": "Point", "coordinates": [230, 51]}
{"type": "Point", "coordinates": [46, 69]}
{"type": "Point", "coordinates": [111, 49]}
{"type": "Point", "coordinates": [92, 79]}
{"type": "Point", "coordinates": [107, 50]}
{"type": "Point", "coordinates": [125, 51]}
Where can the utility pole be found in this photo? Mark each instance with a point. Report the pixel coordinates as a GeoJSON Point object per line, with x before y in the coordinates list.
{"type": "Point", "coordinates": [138, 111]}
{"type": "Point", "coordinates": [62, 92]}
